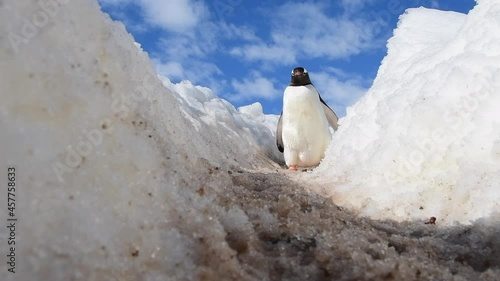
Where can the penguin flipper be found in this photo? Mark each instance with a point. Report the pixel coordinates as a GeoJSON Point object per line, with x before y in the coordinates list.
{"type": "Point", "coordinates": [331, 116]}
{"type": "Point", "coordinates": [279, 136]}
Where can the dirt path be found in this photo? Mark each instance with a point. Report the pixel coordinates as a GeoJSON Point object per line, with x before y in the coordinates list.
{"type": "Point", "coordinates": [297, 234]}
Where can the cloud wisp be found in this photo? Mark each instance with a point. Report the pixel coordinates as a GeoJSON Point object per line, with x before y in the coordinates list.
{"type": "Point", "coordinates": [192, 41]}
{"type": "Point", "coordinates": [305, 30]}
{"type": "Point", "coordinates": [172, 15]}
{"type": "Point", "coordinates": [256, 86]}
{"type": "Point", "coordinates": [338, 88]}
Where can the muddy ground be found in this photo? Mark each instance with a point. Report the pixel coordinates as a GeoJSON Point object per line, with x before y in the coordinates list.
{"type": "Point", "coordinates": [304, 236]}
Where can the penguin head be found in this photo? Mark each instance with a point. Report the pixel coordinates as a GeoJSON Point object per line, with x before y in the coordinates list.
{"type": "Point", "coordinates": [300, 77]}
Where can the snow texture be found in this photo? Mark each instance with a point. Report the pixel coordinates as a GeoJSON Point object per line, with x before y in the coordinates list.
{"type": "Point", "coordinates": [424, 141]}
{"type": "Point", "coordinates": [123, 175]}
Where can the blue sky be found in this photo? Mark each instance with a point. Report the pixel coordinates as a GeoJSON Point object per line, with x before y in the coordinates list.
{"type": "Point", "coordinates": [245, 50]}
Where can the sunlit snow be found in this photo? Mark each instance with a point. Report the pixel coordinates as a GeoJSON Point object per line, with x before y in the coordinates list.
{"type": "Point", "coordinates": [425, 140]}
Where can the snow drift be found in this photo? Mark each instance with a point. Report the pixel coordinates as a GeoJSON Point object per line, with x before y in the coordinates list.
{"type": "Point", "coordinates": [425, 140]}
{"type": "Point", "coordinates": [110, 162]}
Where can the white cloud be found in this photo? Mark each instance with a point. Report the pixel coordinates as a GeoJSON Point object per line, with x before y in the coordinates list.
{"type": "Point", "coordinates": [194, 70]}
{"type": "Point", "coordinates": [193, 51]}
{"type": "Point", "coordinates": [183, 46]}
{"type": "Point", "coordinates": [339, 89]}
{"type": "Point", "coordinates": [188, 54]}
{"type": "Point", "coordinates": [172, 70]}
{"type": "Point", "coordinates": [171, 15]}
{"type": "Point", "coordinates": [233, 32]}
{"type": "Point", "coordinates": [352, 6]}
{"type": "Point", "coordinates": [263, 52]}
{"type": "Point", "coordinates": [254, 87]}
{"type": "Point", "coordinates": [174, 15]}
{"type": "Point", "coordinates": [305, 30]}
{"type": "Point", "coordinates": [198, 72]}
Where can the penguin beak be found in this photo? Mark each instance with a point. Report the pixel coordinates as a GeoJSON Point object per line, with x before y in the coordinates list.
{"type": "Point", "coordinates": [297, 73]}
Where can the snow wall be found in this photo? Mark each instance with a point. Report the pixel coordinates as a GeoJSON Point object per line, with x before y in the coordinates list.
{"type": "Point", "coordinates": [115, 172]}
{"type": "Point", "coordinates": [425, 139]}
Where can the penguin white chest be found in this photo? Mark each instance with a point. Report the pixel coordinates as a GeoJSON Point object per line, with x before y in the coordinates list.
{"type": "Point", "coordinates": [306, 132]}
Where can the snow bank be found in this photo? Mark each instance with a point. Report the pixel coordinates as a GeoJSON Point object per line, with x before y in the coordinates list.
{"type": "Point", "coordinates": [117, 175]}
{"type": "Point", "coordinates": [248, 127]}
{"type": "Point", "coordinates": [425, 140]}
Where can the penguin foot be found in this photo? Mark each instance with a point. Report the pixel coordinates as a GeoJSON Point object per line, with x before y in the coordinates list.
{"type": "Point", "coordinates": [293, 168]}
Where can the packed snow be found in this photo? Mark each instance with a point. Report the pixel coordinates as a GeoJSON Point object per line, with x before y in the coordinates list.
{"type": "Point", "coordinates": [124, 175]}
{"type": "Point", "coordinates": [425, 140]}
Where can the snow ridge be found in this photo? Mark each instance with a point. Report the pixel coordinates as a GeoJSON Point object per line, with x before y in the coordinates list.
{"type": "Point", "coordinates": [424, 140]}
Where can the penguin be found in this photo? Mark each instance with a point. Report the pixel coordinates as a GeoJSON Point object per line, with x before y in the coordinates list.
{"type": "Point", "coordinates": [303, 133]}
